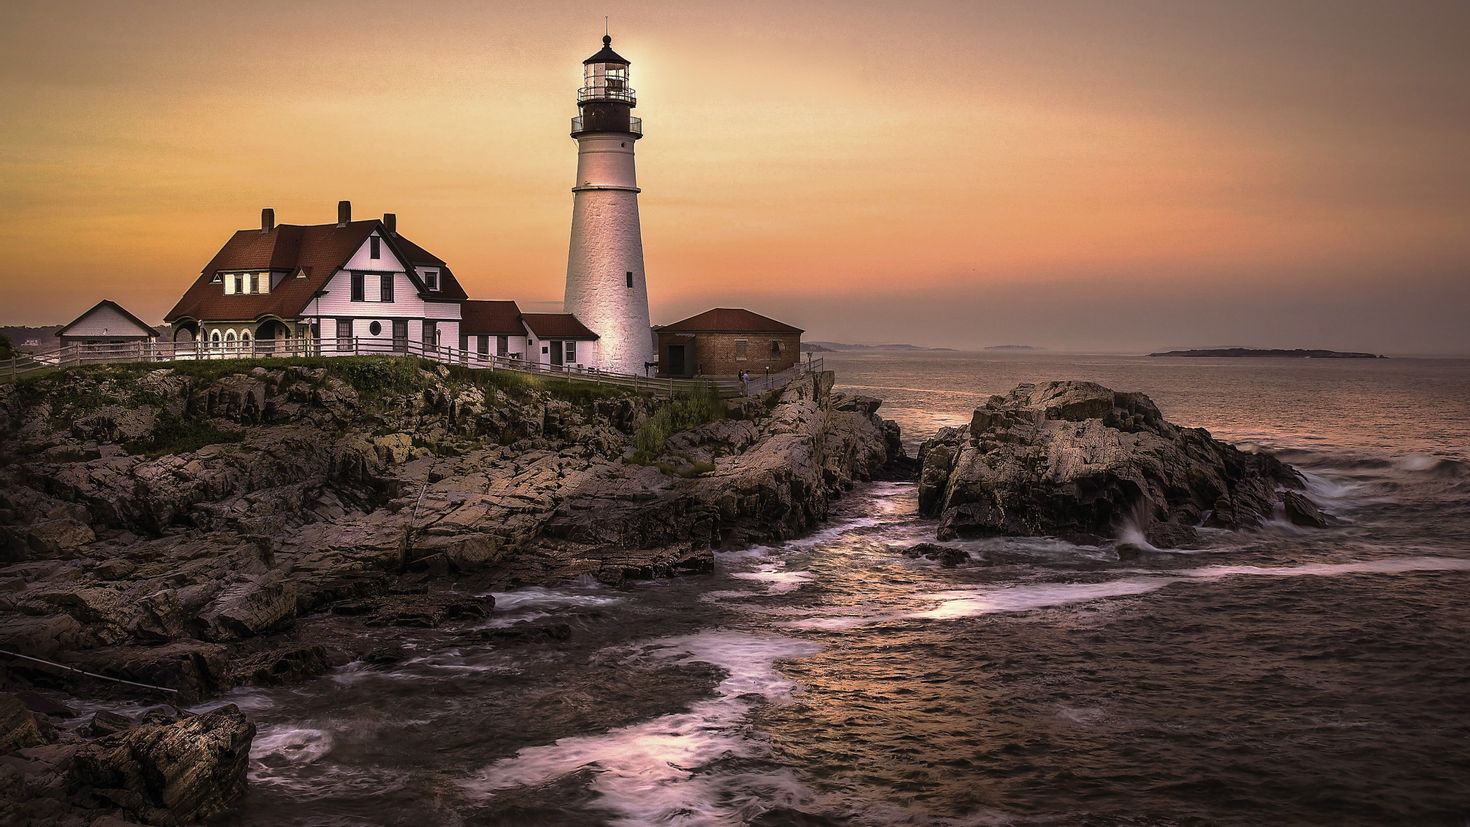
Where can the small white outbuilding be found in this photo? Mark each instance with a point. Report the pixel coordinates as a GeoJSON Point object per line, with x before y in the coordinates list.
{"type": "Point", "coordinates": [106, 326]}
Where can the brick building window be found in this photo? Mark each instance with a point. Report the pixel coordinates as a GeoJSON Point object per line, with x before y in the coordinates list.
{"type": "Point", "coordinates": [775, 347]}
{"type": "Point", "coordinates": [741, 348]}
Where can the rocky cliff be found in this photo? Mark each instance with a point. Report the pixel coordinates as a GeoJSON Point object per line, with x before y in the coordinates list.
{"type": "Point", "coordinates": [1076, 459]}
{"type": "Point", "coordinates": [154, 522]}
{"type": "Point", "coordinates": [206, 525]}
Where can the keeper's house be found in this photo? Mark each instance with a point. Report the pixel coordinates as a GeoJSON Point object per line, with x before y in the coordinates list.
{"type": "Point", "coordinates": [107, 326]}
{"type": "Point", "coordinates": [725, 341]}
{"type": "Point", "coordinates": [331, 284]}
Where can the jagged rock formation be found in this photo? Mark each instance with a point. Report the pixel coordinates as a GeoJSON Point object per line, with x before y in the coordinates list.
{"type": "Point", "coordinates": [168, 768]}
{"type": "Point", "coordinates": [1076, 458]}
{"type": "Point", "coordinates": [137, 552]}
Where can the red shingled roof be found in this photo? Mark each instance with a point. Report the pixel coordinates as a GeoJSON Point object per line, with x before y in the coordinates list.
{"type": "Point", "coordinates": [729, 320]}
{"type": "Point", "coordinates": [449, 287]}
{"type": "Point", "coordinates": [557, 326]}
{"type": "Point", "coordinates": [318, 250]}
{"type": "Point", "coordinates": [491, 318]}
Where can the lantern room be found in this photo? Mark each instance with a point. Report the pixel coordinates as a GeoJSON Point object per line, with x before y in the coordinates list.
{"type": "Point", "coordinates": [605, 100]}
{"type": "Point", "coordinates": [605, 77]}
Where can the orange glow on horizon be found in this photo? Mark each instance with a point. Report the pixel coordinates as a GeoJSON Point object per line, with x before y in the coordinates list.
{"type": "Point", "coordinates": [865, 150]}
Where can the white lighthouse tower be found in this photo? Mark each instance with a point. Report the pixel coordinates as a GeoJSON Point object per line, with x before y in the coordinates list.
{"type": "Point", "coordinates": [606, 289]}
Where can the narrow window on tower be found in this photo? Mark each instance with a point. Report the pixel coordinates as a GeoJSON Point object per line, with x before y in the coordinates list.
{"type": "Point", "coordinates": [630, 279]}
{"type": "Point", "coordinates": [376, 245]}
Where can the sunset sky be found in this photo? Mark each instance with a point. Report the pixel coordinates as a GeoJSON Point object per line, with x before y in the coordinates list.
{"type": "Point", "coordinates": [1108, 175]}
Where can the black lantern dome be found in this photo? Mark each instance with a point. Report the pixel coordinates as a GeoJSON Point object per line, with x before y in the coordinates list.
{"type": "Point", "coordinates": [606, 98]}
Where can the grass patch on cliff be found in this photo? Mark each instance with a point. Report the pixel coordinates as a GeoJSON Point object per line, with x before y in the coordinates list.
{"type": "Point", "coordinates": [178, 435]}
{"type": "Point", "coordinates": [520, 385]}
{"type": "Point", "coordinates": [688, 409]}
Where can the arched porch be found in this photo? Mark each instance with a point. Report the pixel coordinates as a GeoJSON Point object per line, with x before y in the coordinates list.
{"type": "Point", "coordinates": [272, 335]}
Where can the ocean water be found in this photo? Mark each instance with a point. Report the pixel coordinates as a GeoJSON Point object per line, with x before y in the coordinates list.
{"type": "Point", "coordinates": [1280, 676]}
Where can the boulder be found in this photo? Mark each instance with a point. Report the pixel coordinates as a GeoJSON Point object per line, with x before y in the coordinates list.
{"type": "Point", "coordinates": [175, 773]}
{"type": "Point", "coordinates": [58, 538]}
{"type": "Point", "coordinates": [1302, 511]}
{"type": "Point", "coordinates": [947, 556]}
{"type": "Point", "coordinates": [1064, 458]}
{"type": "Point", "coordinates": [194, 668]}
{"type": "Point", "coordinates": [20, 727]}
{"type": "Point", "coordinates": [282, 665]}
{"type": "Point", "coordinates": [253, 607]}
{"type": "Point", "coordinates": [106, 722]}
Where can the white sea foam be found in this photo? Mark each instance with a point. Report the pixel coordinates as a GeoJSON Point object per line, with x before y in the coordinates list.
{"type": "Point", "coordinates": [1327, 490]}
{"type": "Point", "coordinates": [961, 603]}
{"type": "Point", "coordinates": [297, 760]}
{"type": "Point", "coordinates": [281, 746]}
{"type": "Point", "coordinates": [536, 597]}
{"type": "Point", "coordinates": [775, 579]}
{"type": "Point", "coordinates": [1388, 565]}
{"type": "Point", "coordinates": [972, 602]}
{"type": "Point", "coordinates": [648, 772]}
{"type": "Point", "coordinates": [1417, 462]}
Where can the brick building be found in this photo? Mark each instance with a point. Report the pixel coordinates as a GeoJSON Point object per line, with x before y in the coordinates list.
{"type": "Point", "coordinates": [725, 341]}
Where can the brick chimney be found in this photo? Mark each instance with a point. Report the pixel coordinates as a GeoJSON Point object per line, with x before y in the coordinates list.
{"type": "Point", "coordinates": [344, 213]}
{"type": "Point", "coordinates": [267, 220]}
{"type": "Point", "coordinates": [390, 223]}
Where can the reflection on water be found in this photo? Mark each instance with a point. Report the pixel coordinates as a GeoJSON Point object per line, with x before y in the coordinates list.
{"type": "Point", "coordinates": [1277, 676]}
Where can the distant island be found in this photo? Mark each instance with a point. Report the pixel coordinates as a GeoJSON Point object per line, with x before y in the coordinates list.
{"type": "Point", "coordinates": [1015, 347]}
{"type": "Point", "coordinates": [1297, 353]}
{"type": "Point", "coordinates": [837, 347]}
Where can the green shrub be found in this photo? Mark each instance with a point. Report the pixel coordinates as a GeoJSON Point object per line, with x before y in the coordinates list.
{"type": "Point", "coordinates": [7, 350]}
{"type": "Point", "coordinates": [380, 376]}
{"type": "Point", "coordinates": [688, 409]}
{"type": "Point", "coordinates": [649, 439]}
{"type": "Point", "coordinates": [177, 435]}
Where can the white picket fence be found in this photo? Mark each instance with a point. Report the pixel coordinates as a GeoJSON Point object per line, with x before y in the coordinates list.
{"type": "Point", "coordinates": [72, 356]}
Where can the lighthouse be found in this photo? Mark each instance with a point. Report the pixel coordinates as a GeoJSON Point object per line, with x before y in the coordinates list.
{"type": "Point", "coordinates": [606, 288]}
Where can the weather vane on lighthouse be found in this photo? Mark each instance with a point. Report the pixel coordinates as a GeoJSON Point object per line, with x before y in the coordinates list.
{"type": "Point", "coordinates": [606, 288]}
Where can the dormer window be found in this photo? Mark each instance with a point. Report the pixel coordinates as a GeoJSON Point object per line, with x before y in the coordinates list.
{"type": "Point", "coordinates": [431, 279]}
{"type": "Point", "coordinates": [375, 247]}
